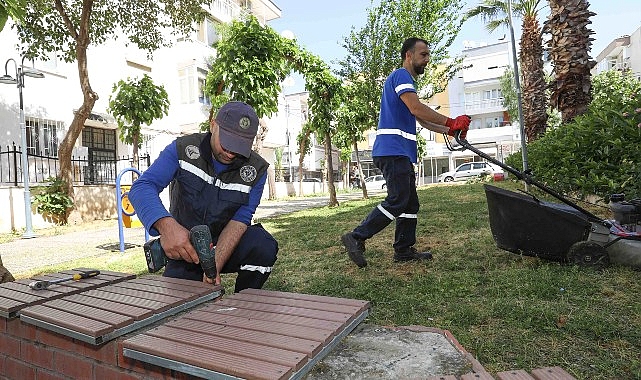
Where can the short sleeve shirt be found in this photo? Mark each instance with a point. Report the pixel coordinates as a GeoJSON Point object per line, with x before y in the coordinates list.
{"type": "Point", "coordinates": [396, 132]}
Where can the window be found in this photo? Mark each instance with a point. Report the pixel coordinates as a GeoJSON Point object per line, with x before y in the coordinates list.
{"type": "Point", "coordinates": [207, 32]}
{"type": "Point", "coordinates": [494, 122]}
{"type": "Point", "coordinates": [202, 97]}
{"type": "Point", "coordinates": [33, 136]}
{"type": "Point", "coordinates": [187, 85]}
{"type": "Point", "coordinates": [50, 138]}
{"type": "Point", "coordinates": [42, 136]}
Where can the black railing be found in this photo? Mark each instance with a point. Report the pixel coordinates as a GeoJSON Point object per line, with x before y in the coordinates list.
{"type": "Point", "coordinates": [84, 170]}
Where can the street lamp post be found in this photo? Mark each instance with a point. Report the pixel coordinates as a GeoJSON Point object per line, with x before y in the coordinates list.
{"type": "Point", "coordinates": [21, 71]}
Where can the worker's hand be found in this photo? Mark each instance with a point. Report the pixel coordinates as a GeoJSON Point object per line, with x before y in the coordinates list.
{"type": "Point", "coordinates": [174, 240]}
{"type": "Point", "coordinates": [214, 281]}
{"type": "Point", "coordinates": [461, 123]}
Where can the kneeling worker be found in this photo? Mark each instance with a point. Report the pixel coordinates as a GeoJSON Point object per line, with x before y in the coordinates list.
{"type": "Point", "coordinates": [214, 179]}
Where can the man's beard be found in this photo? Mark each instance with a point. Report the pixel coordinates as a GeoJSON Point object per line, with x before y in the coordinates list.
{"type": "Point", "coordinates": [419, 69]}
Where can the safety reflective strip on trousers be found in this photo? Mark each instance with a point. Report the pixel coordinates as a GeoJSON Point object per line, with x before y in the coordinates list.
{"type": "Point", "coordinates": [256, 268]}
{"type": "Point", "coordinates": [391, 217]}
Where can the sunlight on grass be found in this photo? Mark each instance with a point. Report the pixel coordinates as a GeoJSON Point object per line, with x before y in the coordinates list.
{"type": "Point", "coordinates": [509, 311]}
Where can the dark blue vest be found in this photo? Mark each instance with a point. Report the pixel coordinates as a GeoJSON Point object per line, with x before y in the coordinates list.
{"type": "Point", "coordinates": [199, 195]}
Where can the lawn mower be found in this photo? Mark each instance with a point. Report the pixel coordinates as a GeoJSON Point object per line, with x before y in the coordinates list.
{"type": "Point", "coordinates": [565, 232]}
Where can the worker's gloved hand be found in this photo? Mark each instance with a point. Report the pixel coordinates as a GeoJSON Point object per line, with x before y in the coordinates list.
{"type": "Point", "coordinates": [461, 123]}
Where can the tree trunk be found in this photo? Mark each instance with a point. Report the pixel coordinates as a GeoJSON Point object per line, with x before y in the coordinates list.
{"type": "Point", "coordinates": [333, 201]}
{"type": "Point", "coordinates": [569, 48]}
{"type": "Point", "coordinates": [135, 163]}
{"type": "Point", "coordinates": [5, 275]}
{"type": "Point", "coordinates": [535, 115]}
{"type": "Point", "coordinates": [75, 129]}
{"type": "Point", "coordinates": [258, 147]}
{"type": "Point", "coordinates": [360, 171]}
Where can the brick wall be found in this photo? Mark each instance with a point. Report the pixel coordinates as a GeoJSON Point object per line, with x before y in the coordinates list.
{"type": "Point", "coordinates": [28, 352]}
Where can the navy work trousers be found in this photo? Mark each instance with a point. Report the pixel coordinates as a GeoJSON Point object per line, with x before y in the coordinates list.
{"type": "Point", "coordinates": [252, 259]}
{"type": "Point", "coordinates": [401, 204]}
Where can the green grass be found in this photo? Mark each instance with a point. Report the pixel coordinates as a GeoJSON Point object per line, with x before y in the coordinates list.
{"type": "Point", "coordinates": [509, 311]}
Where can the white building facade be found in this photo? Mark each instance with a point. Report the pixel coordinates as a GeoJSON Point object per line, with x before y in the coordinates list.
{"type": "Point", "coordinates": [49, 103]}
{"type": "Point", "coordinates": [623, 53]}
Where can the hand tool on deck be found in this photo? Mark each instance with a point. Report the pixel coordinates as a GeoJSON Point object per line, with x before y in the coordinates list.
{"type": "Point", "coordinates": [200, 238]}
{"type": "Point", "coordinates": [44, 284]}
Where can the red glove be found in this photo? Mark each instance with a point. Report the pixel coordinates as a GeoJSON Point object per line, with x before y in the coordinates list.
{"type": "Point", "coordinates": [461, 123]}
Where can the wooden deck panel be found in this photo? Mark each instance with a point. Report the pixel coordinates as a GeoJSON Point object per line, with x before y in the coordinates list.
{"type": "Point", "coordinates": [98, 315]}
{"type": "Point", "coordinates": [266, 337]}
{"type": "Point", "coordinates": [252, 324]}
{"type": "Point", "coordinates": [281, 330]}
{"type": "Point", "coordinates": [207, 358]}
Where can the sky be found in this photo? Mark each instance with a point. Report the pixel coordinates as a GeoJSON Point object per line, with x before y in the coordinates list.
{"type": "Point", "coordinates": [320, 26]}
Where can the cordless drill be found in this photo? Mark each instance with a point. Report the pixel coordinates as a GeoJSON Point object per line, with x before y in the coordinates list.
{"type": "Point", "coordinates": [200, 239]}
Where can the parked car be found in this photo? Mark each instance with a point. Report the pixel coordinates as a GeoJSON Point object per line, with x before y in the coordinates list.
{"type": "Point", "coordinates": [471, 170]}
{"type": "Point", "coordinates": [375, 182]}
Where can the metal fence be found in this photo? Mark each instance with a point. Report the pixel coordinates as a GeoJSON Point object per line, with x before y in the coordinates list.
{"type": "Point", "coordinates": [86, 170]}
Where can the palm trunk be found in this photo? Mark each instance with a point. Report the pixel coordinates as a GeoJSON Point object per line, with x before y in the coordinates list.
{"type": "Point", "coordinates": [569, 49]}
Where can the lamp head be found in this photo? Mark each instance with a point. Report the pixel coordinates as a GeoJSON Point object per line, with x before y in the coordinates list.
{"type": "Point", "coordinates": [32, 73]}
{"type": "Point", "coordinates": [7, 79]}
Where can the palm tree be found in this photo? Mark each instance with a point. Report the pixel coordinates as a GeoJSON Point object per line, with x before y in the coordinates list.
{"type": "Point", "coordinates": [495, 14]}
{"type": "Point", "coordinates": [569, 50]}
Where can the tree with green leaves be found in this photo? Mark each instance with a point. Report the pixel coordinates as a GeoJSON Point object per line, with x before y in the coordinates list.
{"type": "Point", "coordinates": [373, 50]}
{"type": "Point", "coordinates": [70, 28]}
{"type": "Point", "coordinates": [352, 122]}
{"type": "Point", "coordinates": [136, 102]}
{"type": "Point", "coordinates": [252, 61]}
{"type": "Point", "coordinates": [13, 9]}
{"type": "Point", "coordinates": [496, 13]}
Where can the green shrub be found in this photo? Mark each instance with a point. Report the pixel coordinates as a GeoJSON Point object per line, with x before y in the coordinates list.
{"type": "Point", "coordinates": [599, 153]}
{"type": "Point", "coordinates": [52, 202]}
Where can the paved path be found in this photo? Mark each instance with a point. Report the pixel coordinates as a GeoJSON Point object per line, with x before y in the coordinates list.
{"type": "Point", "coordinates": [23, 255]}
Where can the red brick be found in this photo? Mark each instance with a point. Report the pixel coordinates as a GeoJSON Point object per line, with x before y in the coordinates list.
{"type": "Point", "coordinates": [112, 373]}
{"type": "Point", "coordinates": [74, 366]}
{"type": "Point", "coordinates": [3, 325]}
{"type": "Point", "coordinates": [52, 339]}
{"type": "Point", "coordinates": [37, 355]}
{"type": "Point", "coordinates": [2, 364]}
{"type": "Point", "coordinates": [47, 375]}
{"type": "Point", "coordinates": [20, 329]}
{"type": "Point", "coordinates": [9, 346]}
{"type": "Point", "coordinates": [106, 353]}
{"type": "Point", "coordinates": [17, 369]}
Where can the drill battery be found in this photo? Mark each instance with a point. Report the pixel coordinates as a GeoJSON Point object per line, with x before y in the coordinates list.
{"type": "Point", "coordinates": [200, 238]}
{"type": "Point", "coordinates": [155, 255]}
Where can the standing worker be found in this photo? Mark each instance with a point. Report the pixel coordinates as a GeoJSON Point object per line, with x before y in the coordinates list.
{"type": "Point", "coordinates": [394, 153]}
{"type": "Point", "coordinates": [216, 180]}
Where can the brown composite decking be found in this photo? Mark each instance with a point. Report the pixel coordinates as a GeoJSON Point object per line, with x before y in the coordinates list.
{"type": "Point", "coordinates": [254, 334]}
{"type": "Point", "coordinates": [110, 309]}
{"type": "Point", "coordinates": [17, 295]}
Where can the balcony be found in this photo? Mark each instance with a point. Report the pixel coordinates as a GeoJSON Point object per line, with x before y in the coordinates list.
{"type": "Point", "coordinates": [226, 10]}
{"type": "Point", "coordinates": [484, 106]}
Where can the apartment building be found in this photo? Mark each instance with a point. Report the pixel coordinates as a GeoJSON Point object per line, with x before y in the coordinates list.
{"type": "Point", "coordinates": [476, 91]}
{"type": "Point", "coordinates": [623, 53]}
{"type": "Point", "coordinates": [49, 103]}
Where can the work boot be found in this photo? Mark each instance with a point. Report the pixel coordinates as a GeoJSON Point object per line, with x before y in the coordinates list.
{"type": "Point", "coordinates": [412, 255]}
{"type": "Point", "coordinates": [355, 249]}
